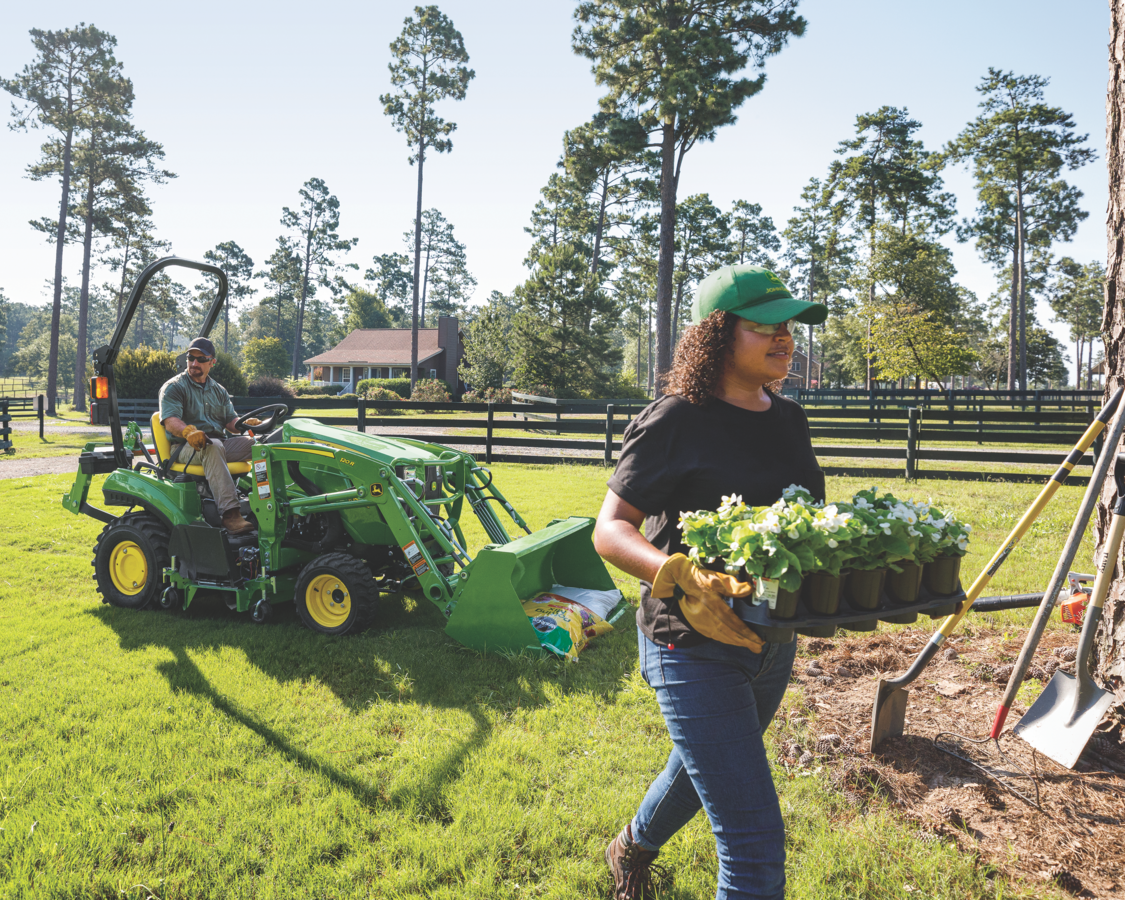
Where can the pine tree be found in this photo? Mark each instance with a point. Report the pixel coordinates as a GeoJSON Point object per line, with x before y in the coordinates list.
{"type": "Point", "coordinates": [428, 66]}
{"type": "Point", "coordinates": [674, 68]}
{"type": "Point", "coordinates": [61, 90]}
{"type": "Point", "coordinates": [1019, 147]}
{"type": "Point", "coordinates": [239, 269]}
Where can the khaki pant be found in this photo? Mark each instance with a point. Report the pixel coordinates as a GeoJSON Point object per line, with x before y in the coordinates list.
{"type": "Point", "coordinates": [214, 458]}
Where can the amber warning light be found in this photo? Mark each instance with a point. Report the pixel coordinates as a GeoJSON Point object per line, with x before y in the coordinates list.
{"type": "Point", "coordinates": [99, 388]}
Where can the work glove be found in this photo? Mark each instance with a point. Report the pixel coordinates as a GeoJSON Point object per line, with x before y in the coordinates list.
{"type": "Point", "coordinates": [196, 438]}
{"type": "Point", "coordinates": [250, 423]}
{"type": "Point", "coordinates": [702, 602]}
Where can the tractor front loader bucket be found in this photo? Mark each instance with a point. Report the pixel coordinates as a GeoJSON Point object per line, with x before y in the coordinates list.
{"type": "Point", "coordinates": [487, 605]}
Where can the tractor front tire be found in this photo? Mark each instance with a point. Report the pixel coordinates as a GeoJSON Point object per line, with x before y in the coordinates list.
{"type": "Point", "coordinates": [130, 556]}
{"type": "Point", "coordinates": [336, 594]}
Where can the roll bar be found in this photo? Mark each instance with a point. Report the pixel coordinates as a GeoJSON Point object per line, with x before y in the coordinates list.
{"type": "Point", "coordinates": [104, 411]}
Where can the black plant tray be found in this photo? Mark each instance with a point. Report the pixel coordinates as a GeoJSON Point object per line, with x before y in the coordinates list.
{"type": "Point", "coordinates": [928, 603]}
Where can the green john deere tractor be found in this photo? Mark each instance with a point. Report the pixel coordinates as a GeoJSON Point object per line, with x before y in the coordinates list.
{"type": "Point", "coordinates": [340, 518]}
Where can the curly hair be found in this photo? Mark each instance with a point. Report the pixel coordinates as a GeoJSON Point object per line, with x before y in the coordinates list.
{"type": "Point", "coordinates": [702, 356]}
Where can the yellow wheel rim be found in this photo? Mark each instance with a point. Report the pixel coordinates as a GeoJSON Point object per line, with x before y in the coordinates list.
{"type": "Point", "coordinates": [128, 568]}
{"type": "Point", "coordinates": [328, 601]}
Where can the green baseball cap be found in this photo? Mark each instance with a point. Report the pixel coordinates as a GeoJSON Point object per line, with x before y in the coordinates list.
{"type": "Point", "coordinates": [752, 293]}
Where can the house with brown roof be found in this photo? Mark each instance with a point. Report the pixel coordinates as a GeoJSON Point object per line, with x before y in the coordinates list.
{"type": "Point", "coordinates": [799, 370]}
{"type": "Point", "coordinates": [385, 353]}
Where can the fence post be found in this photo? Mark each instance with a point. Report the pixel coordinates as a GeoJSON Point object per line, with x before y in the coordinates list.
{"type": "Point", "coordinates": [609, 434]}
{"type": "Point", "coordinates": [912, 442]}
{"type": "Point", "coordinates": [488, 436]}
{"type": "Point", "coordinates": [42, 398]}
{"type": "Point", "coordinates": [951, 405]}
{"type": "Point", "coordinates": [1038, 407]}
{"type": "Point", "coordinates": [361, 414]}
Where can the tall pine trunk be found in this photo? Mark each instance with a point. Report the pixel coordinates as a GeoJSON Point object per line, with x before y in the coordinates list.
{"type": "Point", "coordinates": [56, 304]}
{"type": "Point", "coordinates": [665, 260]}
{"type": "Point", "coordinates": [1013, 320]}
{"type": "Point", "coordinates": [1021, 244]}
{"type": "Point", "coordinates": [417, 268]}
{"type": "Point", "coordinates": [301, 305]}
{"type": "Point", "coordinates": [1109, 666]}
{"type": "Point", "coordinates": [84, 299]}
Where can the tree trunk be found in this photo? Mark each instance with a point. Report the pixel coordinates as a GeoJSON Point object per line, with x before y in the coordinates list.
{"type": "Point", "coordinates": [301, 305]}
{"type": "Point", "coordinates": [84, 300]}
{"type": "Point", "coordinates": [1013, 320]}
{"type": "Point", "coordinates": [1021, 244]}
{"type": "Point", "coordinates": [1109, 665]}
{"type": "Point", "coordinates": [596, 257]}
{"type": "Point", "coordinates": [56, 305]}
{"type": "Point", "coordinates": [665, 261]}
{"type": "Point", "coordinates": [1078, 364]}
{"type": "Point", "coordinates": [417, 268]}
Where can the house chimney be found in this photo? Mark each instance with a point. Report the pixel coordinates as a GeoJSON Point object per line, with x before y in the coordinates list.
{"type": "Point", "coordinates": [448, 340]}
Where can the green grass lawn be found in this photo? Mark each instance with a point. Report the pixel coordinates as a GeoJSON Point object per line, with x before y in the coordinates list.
{"type": "Point", "coordinates": [198, 755]}
{"type": "Point", "coordinates": [28, 444]}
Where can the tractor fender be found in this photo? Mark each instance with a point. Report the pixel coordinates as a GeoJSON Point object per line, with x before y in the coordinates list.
{"type": "Point", "coordinates": [173, 504]}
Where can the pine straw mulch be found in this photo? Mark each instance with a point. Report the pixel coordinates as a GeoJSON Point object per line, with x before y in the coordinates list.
{"type": "Point", "coordinates": [1076, 836]}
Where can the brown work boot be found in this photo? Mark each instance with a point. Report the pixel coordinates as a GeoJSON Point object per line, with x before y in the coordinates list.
{"type": "Point", "coordinates": [234, 523]}
{"type": "Point", "coordinates": [632, 867]}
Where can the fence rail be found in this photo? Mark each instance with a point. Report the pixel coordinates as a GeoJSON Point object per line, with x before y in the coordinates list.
{"type": "Point", "coordinates": [20, 408]}
{"type": "Point", "coordinates": [905, 437]}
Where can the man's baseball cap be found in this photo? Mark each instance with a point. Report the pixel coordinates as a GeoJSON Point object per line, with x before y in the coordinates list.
{"type": "Point", "coordinates": [752, 293]}
{"type": "Point", "coordinates": [203, 345]}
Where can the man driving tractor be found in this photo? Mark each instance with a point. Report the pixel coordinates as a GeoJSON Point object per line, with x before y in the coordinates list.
{"type": "Point", "coordinates": [195, 409]}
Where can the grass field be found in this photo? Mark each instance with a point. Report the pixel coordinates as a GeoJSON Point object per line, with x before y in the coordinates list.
{"type": "Point", "coordinates": [198, 755]}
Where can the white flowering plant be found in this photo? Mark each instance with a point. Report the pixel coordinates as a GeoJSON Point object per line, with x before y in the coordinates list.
{"type": "Point", "coordinates": [785, 541]}
{"type": "Point", "coordinates": [954, 534]}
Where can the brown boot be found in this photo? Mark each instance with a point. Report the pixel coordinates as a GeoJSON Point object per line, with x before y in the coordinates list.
{"type": "Point", "coordinates": [234, 523]}
{"type": "Point", "coordinates": [632, 867]}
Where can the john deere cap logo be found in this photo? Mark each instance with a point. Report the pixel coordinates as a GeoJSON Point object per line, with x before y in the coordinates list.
{"type": "Point", "coordinates": [773, 279]}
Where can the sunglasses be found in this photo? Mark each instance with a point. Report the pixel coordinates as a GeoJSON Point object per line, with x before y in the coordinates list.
{"type": "Point", "coordinates": [199, 359]}
{"type": "Point", "coordinates": [769, 329]}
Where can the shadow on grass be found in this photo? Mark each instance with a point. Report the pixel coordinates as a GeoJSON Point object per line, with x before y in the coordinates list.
{"type": "Point", "coordinates": [405, 659]}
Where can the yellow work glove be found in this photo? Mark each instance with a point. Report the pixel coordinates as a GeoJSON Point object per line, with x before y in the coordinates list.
{"type": "Point", "coordinates": [196, 438]}
{"type": "Point", "coordinates": [702, 602]}
{"type": "Point", "coordinates": [250, 423]}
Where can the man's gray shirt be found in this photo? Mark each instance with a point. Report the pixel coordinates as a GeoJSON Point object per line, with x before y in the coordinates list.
{"type": "Point", "coordinates": [207, 406]}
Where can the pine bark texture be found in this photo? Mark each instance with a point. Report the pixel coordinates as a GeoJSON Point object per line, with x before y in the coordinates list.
{"type": "Point", "coordinates": [1109, 665]}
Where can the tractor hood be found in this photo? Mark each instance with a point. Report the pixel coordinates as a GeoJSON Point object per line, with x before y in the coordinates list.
{"type": "Point", "coordinates": [385, 449]}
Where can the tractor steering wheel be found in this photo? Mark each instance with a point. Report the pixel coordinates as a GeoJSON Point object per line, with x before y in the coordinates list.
{"type": "Point", "coordinates": [279, 411]}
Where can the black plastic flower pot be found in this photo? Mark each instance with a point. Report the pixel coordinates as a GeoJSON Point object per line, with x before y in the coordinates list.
{"type": "Point", "coordinates": [821, 593]}
{"type": "Point", "coordinates": [786, 605]}
{"type": "Point", "coordinates": [863, 588]}
{"type": "Point", "coordinates": [942, 576]}
{"type": "Point", "coordinates": [902, 587]}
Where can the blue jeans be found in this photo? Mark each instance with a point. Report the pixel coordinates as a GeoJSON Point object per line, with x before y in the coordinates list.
{"type": "Point", "coordinates": [717, 702]}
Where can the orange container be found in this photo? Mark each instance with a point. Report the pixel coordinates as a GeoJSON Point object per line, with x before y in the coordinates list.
{"type": "Point", "coordinates": [1073, 611]}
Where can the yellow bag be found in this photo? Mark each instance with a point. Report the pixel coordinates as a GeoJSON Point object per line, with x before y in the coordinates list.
{"type": "Point", "coordinates": [565, 627]}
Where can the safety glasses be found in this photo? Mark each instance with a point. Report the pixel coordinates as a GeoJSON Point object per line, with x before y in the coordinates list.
{"type": "Point", "coordinates": [769, 329]}
{"type": "Point", "coordinates": [194, 357]}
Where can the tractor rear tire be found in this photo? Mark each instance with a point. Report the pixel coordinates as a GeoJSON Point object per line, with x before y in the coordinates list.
{"type": "Point", "coordinates": [130, 556]}
{"type": "Point", "coordinates": [336, 594]}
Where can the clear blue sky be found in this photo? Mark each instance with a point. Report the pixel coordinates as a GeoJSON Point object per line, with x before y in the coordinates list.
{"type": "Point", "coordinates": [250, 100]}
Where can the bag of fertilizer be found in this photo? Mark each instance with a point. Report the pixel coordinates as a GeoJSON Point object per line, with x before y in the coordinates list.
{"type": "Point", "coordinates": [564, 626]}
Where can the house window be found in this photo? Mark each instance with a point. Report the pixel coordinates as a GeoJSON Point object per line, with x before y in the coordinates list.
{"type": "Point", "coordinates": [433, 373]}
{"type": "Point", "coordinates": [796, 366]}
{"type": "Point", "coordinates": [346, 374]}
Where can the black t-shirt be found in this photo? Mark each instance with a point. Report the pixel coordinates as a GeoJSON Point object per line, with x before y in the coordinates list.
{"type": "Point", "coordinates": [678, 457]}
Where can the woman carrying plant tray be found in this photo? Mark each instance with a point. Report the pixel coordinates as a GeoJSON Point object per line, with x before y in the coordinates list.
{"type": "Point", "coordinates": [719, 431]}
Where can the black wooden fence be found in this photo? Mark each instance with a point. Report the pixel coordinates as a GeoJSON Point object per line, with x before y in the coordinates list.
{"type": "Point", "coordinates": [12, 408]}
{"type": "Point", "coordinates": [911, 438]}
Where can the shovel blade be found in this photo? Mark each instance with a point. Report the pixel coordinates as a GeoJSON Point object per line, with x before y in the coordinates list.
{"type": "Point", "coordinates": [888, 717]}
{"type": "Point", "coordinates": [1062, 721]}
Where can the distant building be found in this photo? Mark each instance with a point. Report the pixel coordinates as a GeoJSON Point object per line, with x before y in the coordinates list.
{"type": "Point", "coordinates": [798, 367]}
{"type": "Point", "coordinates": [385, 353]}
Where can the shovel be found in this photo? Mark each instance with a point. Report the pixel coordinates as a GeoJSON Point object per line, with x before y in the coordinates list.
{"type": "Point", "coordinates": [888, 717]}
{"type": "Point", "coordinates": [1061, 722]}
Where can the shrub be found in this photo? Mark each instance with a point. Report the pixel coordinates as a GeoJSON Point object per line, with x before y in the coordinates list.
{"type": "Point", "coordinates": [430, 390]}
{"type": "Point", "coordinates": [140, 373]}
{"type": "Point", "coordinates": [625, 388]}
{"type": "Point", "coordinates": [488, 395]}
{"type": "Point", "coordinates": [538, 390]}
{"type": "Point", "coordinates": [400, 386]}
{"type": "Point", "coordinates": [304, 389]}
{"type": "Point", "coordinates": [378, 393]}
{"type": "Point", "coordinates": [269, 386]}
{"type": "Point", "coordinates": [228, 374]}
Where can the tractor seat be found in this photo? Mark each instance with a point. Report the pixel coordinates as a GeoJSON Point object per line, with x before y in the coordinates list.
{"type": "Point", "coordinates": [164, 451]}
